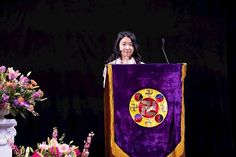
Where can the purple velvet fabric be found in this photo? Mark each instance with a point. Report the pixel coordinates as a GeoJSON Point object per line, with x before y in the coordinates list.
{"type": "Point", "coordinates": [135, 140]}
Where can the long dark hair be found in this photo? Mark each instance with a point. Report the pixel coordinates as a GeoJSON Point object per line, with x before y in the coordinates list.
{"type": "Point", "coordinates": [116, 51]}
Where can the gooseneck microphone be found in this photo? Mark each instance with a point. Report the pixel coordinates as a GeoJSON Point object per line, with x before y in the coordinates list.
{"type": "Point", "coordinates": [163, 50]}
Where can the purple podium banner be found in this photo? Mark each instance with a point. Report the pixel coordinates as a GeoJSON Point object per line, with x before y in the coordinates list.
{"type": "Point", "coordinates": [144, 110]}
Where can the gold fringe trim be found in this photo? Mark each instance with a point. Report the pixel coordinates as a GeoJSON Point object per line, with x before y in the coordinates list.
{"type": "Point", "coordinates": [179, 151]}
{"type": "Point", "coordinates": [115, 149]}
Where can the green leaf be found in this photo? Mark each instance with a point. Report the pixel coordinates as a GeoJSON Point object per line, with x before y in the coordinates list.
{"type": "Point", "coordinates": [13, 112]}
{"type": "Point", "coordinates": [22, 114]}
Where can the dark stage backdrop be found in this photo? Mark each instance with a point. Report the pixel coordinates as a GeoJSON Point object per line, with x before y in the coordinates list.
{"type": "Point", "coordinates": [65, 43]}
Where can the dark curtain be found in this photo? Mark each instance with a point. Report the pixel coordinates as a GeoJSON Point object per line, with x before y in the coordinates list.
{"type": "Point", "coordinates": [65, 43]}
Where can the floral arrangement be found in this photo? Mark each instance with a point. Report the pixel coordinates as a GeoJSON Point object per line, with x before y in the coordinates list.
{"type": "Point", "coordinates": [18, 93]}
{"type": "Point", "coordinates": [54, 148]}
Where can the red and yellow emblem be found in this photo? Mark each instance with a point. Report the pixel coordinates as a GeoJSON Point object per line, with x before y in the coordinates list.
{"type": "Point", "coordinates": [148, 107]}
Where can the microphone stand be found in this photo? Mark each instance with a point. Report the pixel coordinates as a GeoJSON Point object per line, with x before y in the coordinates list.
{"type": "Point", "coordinates": [163, 50]}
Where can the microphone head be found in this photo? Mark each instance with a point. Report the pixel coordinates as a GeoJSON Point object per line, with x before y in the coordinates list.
{"type": "Point", "coordinates": [162, 40]}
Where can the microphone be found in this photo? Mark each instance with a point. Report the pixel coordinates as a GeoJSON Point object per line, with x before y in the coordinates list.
{"type": "Point", "coordinates": [163, 50]}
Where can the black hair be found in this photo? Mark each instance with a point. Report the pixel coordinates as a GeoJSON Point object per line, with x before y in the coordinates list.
{"type": "Point", "coordinates": [116, 51]}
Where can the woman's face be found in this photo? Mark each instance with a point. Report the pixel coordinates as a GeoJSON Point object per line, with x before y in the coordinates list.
{"type": "Point", "coordinates": [126, 47]}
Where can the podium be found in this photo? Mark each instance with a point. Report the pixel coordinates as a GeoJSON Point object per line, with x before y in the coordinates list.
{"type": "Point", "coordinates": [144, 111]}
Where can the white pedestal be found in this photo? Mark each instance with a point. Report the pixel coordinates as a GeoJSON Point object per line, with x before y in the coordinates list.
{"type": "Point", "coordinates": [7, 133]}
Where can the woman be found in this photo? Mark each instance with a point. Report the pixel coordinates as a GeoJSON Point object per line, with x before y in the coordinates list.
{"type": "Point", "coordinates": [125, 51]}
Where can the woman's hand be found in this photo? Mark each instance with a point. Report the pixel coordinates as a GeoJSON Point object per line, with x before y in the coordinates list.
{"type": "Point", "coordinates": [125, 60]}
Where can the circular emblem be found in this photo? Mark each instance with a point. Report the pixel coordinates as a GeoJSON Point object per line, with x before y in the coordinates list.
{"type": "Point", "coordinates": [148, 107]}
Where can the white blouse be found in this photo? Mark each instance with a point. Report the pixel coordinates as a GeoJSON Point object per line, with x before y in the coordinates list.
{"type": "Point", "coordinates": [117, 61]}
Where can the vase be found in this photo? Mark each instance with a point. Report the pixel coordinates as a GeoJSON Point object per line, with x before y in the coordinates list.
{"type": "Point", "coordinates": [4, 112]}
{"type": "Point", "coordinates": [7, 133]}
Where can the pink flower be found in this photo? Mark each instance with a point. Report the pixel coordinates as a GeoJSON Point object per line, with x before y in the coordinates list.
{"type": "Point", "coordinates": [37, 154]}
{"type": "Point", "coordinates": [37, 94]}
{"type": "Point", "coordinates": [23, 80]}
{"type": "Point", "coordinates": [54, 151]}
{"type": "Point", "coordinates": [2, 69]}
{"type": "Point", "coordinates": [43, 146]}
{"type": "Point", "coordinates": [55, 133]}
{"type": "Point", "coordinates": [12, 74]}
{"type": "Point", "coordinates": [77, 152]}
{"type": "Point", "coordinates": [64, 148]}
{"type": "Point", "coordinates": [5, 97]}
